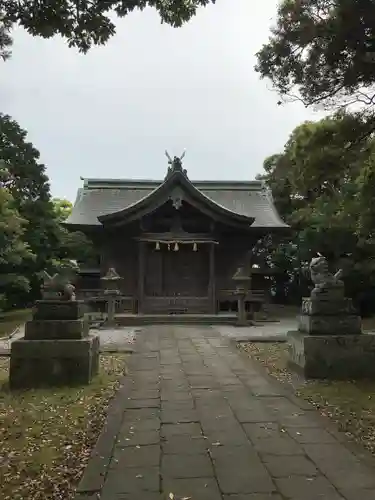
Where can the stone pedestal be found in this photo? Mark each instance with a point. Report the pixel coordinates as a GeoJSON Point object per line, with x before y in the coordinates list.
{"type": "Point", "coordinates": [329, 342]}
{"type": "Point", "coordinates": [334, 357]}
{"type": "Point", "coordinates": [326, 316]}
{"type": "Point", "coordinates": [57, 348]}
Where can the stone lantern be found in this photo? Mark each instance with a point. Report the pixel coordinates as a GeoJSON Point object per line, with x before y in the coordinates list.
{"type": "Point", "coordinates": [111, 283]}
{"type": "Point", "coordinates": [242, 280]}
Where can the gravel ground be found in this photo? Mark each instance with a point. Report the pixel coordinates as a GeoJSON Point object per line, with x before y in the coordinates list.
{"type": "Point", "coordinates": [111, 339]}
{"type": "Point", "coordinates": [274, 330]}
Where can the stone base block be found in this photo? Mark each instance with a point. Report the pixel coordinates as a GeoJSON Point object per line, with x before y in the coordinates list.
{"type": "Point", "coordinates": [319, 324]}
{"type": "Point", "coordinates": [333, 357]}
{"type": "Point", "coordinates": [37, 363]}
{"type": "Point", "coordinates": [50, 329]}
{"type": "Point", "coordinates": [325, 306]}
{"type": "Point", "coordinates": [59, 309]}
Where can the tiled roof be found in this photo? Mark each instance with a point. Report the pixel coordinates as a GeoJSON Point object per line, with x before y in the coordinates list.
{"type": "Point", "coordinates": [105, 196]}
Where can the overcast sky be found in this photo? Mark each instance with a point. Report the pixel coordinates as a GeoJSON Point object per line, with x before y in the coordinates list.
{"type": "Point", "coordinates": [113, 112]}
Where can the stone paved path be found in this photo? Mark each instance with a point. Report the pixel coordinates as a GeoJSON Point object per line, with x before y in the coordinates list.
{"type": "Point", "coordinates": [198, 420]}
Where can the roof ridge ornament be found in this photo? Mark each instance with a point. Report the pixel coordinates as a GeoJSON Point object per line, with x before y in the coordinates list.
{"type": "Point", "coordinates": [175, 164]}
{"type": "Point", "coordinates": [266, 191]}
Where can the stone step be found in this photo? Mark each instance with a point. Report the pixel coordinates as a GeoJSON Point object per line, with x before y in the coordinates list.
{"type": "Point", "coordinates": [175, 319]}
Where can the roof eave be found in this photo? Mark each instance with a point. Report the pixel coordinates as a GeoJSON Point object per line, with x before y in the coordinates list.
{"type": "Point", "coordinates": [73, 226]}
{"type": "Point", "coordinates": [174, 178]}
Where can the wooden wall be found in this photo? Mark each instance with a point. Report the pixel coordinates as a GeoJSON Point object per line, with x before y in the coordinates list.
{"type": "Point", "coordinates": [229, 255]}
{"type": "Point", "coordinates": [121, 252]}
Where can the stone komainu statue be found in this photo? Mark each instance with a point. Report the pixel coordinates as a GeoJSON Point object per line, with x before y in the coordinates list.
{"type": "Point", "coordinates": [57, 287]}
{"type": "Point", "coordinates": [325, 283]}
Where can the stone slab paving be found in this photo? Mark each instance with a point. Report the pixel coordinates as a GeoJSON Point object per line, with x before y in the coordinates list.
{"type": "Point", "coordinates": [197, 419]}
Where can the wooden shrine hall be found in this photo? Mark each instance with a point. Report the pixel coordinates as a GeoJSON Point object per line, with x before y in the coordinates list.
{"type": "Point", "coordinates": [175, 243]}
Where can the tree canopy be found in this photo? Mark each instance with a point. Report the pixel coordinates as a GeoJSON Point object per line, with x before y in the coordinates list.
{"type": "Point", "coordinates": [5, 41]}
{"type": "Point", "coordinates": [62, 208]}
{"type": "Point", "coordinates": [32, 238]}
{"type": "Point", "coordinates": [325, 191]}
{"type": "Point", "coordinates": [14, 251]}
{"type": "Point", "coordinates": [74, 246]}
{"type": "Point", "coordinates": [323, 51]}
{"type": "Point", "coordinates": [89, 22]}
{"type": "Point", "coordinates": [27, 184]}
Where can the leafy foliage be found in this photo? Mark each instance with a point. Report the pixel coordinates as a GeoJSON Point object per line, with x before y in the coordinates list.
{"type": "Point", "coordinates": [5, 41]}
{"type": "Point", "coordinates": [32, 237]}
{"type": "Point", "coordinates": [323, 49]}
{"type": "Point", "coordinates": [62, 209]}
{"type": "Point", "coordinates": [14, 252]}
{"type": "Point", "coordinates": [28, 185]}
{"type": "Point", "coordinates": [325, 191]}
{"type": "Point", "coordinates": [366, 190]}
{"type": "Point", "coordinates": [89, 22]}
{"type": "Point", "coordinates": [74, 246]}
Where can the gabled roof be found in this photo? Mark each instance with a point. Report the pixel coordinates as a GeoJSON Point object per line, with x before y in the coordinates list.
{"type": "Point", "coordinates": [176, 178]}
{"type": "Point", "coordinates": [105, 200]}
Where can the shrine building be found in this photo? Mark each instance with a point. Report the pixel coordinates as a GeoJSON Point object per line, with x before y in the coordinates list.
{"type": "Point", "coordinates": [176, 243]}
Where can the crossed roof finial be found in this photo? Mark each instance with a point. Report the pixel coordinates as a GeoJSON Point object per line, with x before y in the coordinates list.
{"type": "Point", "coordinates": [175, 163]}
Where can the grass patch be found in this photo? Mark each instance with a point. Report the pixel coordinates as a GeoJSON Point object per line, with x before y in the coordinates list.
{"type": "Point", "coordinates": [47, 435]}
{"type": "Point", "coordinates": [10, 320]}
{"type": "Point", "coordinates": [350, 404]}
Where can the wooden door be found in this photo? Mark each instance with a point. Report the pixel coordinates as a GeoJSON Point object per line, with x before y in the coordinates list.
{"type": "Point", "coordinates": [186, 272]}
{"type": "Point", "coordinates": [181, 273]}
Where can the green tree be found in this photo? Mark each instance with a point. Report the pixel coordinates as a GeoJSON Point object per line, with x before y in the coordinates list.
{"type": "Point", "coordinates": [5, 41]}
{"type": "Point", "coordinates": [28, 185]}
{"type": "Point", "coordinates": [89, 22]}
{"type": "Point", "coordinates": [319, 186]}
{"type": "Point", "coordinates": [366, 190]}
{"type": "Point", "coordinates": [74, 246]}
{"type": "Point", "coordinates": [14, 252]}
{"type": "Point", "coordinates": [62, 208]}
{"type": "Point", "coordinates": [323, 51]}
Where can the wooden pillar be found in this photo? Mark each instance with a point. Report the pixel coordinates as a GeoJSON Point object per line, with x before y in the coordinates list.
{"type": "Point", "coordinates": [212, 282]}
{"type": "Point", "coordinates": [141, 275]}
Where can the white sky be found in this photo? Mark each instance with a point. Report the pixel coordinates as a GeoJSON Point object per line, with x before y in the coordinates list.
{"type": "Point", "coordinates": [113, 112]}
